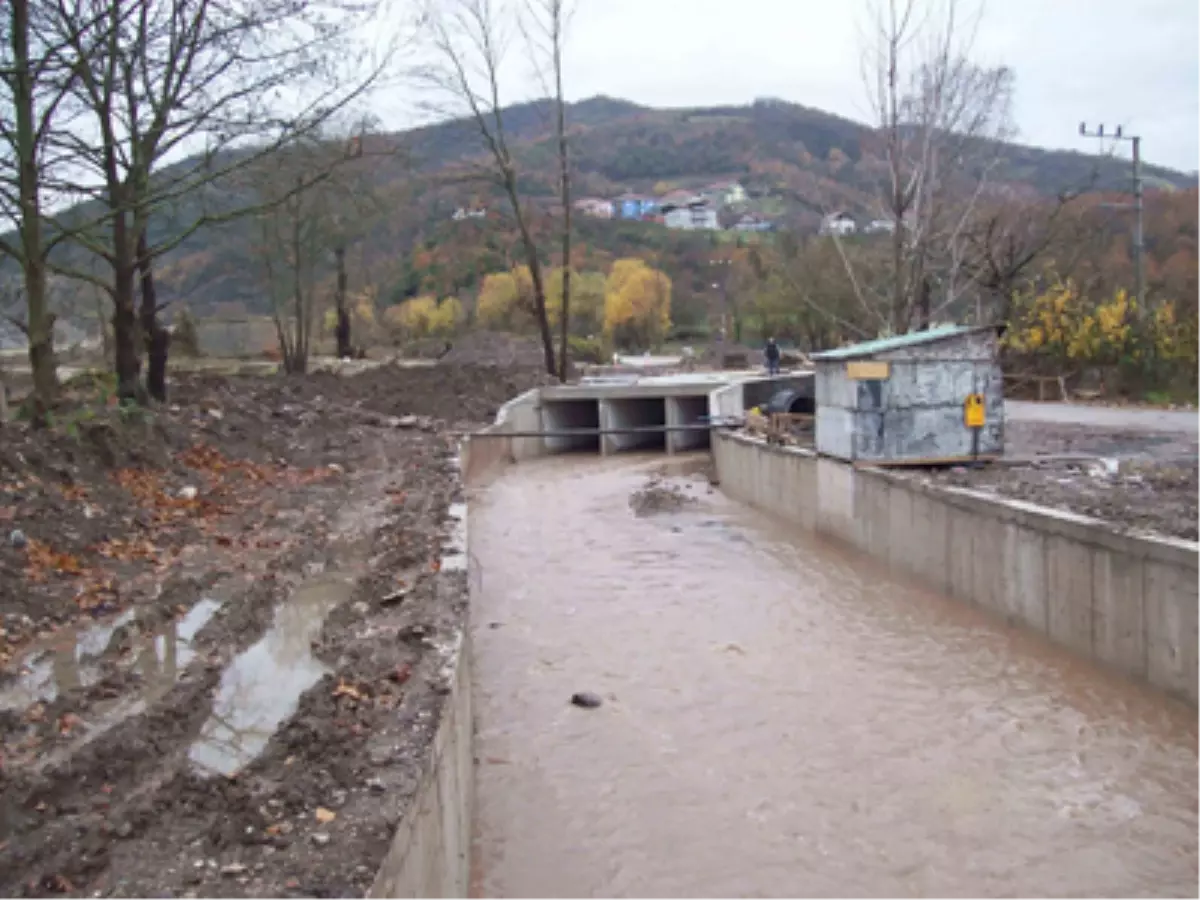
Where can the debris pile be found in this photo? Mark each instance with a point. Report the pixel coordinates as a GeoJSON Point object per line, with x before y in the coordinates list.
{"type": "Point", "coordinates": [658, 496]}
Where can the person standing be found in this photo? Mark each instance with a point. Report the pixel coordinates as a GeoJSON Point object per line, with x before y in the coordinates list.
{"type": "Point", "coordinates": [772, 354]}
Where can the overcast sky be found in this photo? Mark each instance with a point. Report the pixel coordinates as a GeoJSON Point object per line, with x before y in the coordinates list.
{"type": "Point", "coordinates": [1132, 62]}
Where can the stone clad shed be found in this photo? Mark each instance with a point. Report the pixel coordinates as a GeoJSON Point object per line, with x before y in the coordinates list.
{"type": "Point", "coordinates": [901, 399]}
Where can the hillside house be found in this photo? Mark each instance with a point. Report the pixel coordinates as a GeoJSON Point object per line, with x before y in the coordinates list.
{"type": "Point", "coordinates": [595, 207]}
{"type": "Point", "coordinates": [838, 223]}
{"type": "Point", "coordinates": [472, 212]}
{"type": "Point", "coordinates": [879, 226]}
{"type": "Point", "coordinates": [635, 206]}
{"type": "Point", "coordinates": [751, 222]}
{"type": "Point", "coordinates": [695, 216]}
{"type": "Point", "coordinates": [679, 197]}
{"type": "Point", "coordinates": [724, 193]}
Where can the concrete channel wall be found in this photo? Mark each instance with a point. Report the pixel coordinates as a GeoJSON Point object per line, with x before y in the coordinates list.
{"type": "Point", "coordinates": [430, 852]}
{"type": "Point", "coordinates": [1127, 601]}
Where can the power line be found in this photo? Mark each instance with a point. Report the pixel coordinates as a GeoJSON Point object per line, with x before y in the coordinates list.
{"type": "Point", "coordinates": [1139, 241]}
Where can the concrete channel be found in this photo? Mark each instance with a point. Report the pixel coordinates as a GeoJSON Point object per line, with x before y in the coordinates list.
{"type": "Point", "coordinates": [816, 680]}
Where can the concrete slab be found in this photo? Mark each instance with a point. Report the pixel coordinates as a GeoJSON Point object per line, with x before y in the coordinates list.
{"type": "Point", "coordinates": [1118, 611]}
{"type": "Point", "coordinates": [1069, 593]}
{"type": "Point", "coordinates": [1171, 635]}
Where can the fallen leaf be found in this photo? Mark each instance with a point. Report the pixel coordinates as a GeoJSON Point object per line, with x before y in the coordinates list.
{"type": "Point", "coordinates": [325, 816]}
{"type": "Point", "coordinates": [344, 689]}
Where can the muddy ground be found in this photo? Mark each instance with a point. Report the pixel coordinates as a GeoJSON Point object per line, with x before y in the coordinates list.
{"type": "Point", "coordinates": [224, 629]}
{"type": "Point", "coordinates": [1151, 483]}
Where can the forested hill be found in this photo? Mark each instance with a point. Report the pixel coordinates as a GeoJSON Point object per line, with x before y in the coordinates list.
{"type": "Point", "coordinates": [793, 161]}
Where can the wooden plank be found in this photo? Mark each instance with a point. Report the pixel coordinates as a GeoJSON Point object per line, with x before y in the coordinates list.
{"type": "Point", "coordinates": [868, 370]}
{"type": "Point", "coordinates": [928, 461]}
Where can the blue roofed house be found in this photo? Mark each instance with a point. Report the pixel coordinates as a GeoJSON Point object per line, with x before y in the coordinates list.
{"type": "Point", "coordinates": [635, 206]}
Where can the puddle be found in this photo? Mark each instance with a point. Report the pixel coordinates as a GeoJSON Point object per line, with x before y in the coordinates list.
{"type": "Point", "coordinates": [454, 551]}
{"type": "Point", "coordinates": [162, 659]}
{"type": "Point", "coordinates": [262, 686]}
{"type": "Point", "coordinates": [68, 663]}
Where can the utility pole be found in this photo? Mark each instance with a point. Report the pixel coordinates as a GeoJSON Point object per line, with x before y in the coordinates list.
{"type": "Point", "coordinates": [1139, 241]}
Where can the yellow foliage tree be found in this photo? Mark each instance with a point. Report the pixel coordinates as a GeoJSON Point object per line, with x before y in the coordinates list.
{"type": "Point", "coordinates": [444, 320]}
{"type": "Point", "coordinates": [505, 301]}
{"type": "Point", "coordinates": [413, 317]}
{"type": "Point", "coordinates": [1063, 327]}
{"type": "Point", "coordinates": [637, 305]}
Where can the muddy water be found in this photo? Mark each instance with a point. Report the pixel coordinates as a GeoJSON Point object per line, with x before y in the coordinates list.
{"type": "Point", "coordinates": [262, 686]}
{"type": "Point", "coordinates": [782, 718]}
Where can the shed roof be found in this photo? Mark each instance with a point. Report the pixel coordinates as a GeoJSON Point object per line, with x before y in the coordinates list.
{"type": "Point", "coordinates": [912, 339]}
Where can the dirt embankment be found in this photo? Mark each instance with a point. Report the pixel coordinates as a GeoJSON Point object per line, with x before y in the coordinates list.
{"type": "Point", "coordinates": [1146, 481]}
{"type": "Point", "coordinates": [224, 630]}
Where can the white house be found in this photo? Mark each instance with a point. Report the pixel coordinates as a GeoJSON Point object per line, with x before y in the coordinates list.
{"type": "Point", "coordinates": [751, 222]}
{"type": "Point", "coordinates": [595, 207]}
{"type": "Point", "coordinates": [839, 223]}
{"type": "Point", "coordinates": [725, 193]}
{"type": "Point", "coordinates": [469, 213]}
{"type": "Point", "coordinates": [696, 216]}
{"type": "Point", "coordinates": [879, 226]}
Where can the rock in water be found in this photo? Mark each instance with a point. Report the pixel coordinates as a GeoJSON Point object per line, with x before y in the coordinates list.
{"type": "Point", "coordinates": [586, 700]}
{"type": "Point", "coordinates": [17, 539]}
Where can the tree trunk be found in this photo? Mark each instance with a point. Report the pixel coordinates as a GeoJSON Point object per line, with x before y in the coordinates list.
{"type": "Point", "coordinates": [39, 320]}
{"type": "Point", "coordinates": [535, 271]}
{"type": "Point", "coordinates": [564, 164]}
{"type": "Point", "coordinates": [157, 338]}
{"type": "Point", "coordinates": [344, 350]}
{"type": "Point", "coordinates": [41, 338]}
{"type": "Point", "coordinates": [124, 319]}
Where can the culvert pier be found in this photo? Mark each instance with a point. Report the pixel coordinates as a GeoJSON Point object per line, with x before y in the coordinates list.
{"type": "Point", "coordinates": [670, 414]}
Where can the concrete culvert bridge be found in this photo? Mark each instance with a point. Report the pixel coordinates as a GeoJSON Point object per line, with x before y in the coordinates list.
{"type": "Point", "coordinates": [567, 415]}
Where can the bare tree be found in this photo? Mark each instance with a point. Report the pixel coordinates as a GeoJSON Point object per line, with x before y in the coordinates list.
{"type": "Point", "coordinates": [469, 40]}
{"type": "Point", "coordinates": [37, 71]}
{"type": "Point", "coordinates": [545, 33]}
{"type": "Point", "coordinates": [1005, 243]}
{"type": "Point", "coordinates": [356, 210]}
{"type": "Point", "coordinates": [232, 79]}
{"type": "Point", "coordinates": [315, 202]}
{"type": "Point", "coordinates": [940, 123]}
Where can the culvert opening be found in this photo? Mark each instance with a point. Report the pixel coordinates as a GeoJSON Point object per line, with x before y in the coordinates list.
{"type": "Point", "coordinates": [688, 411]}
{"type": "Point", "coordinates": [560, 415]}
{"type": "Point", "coordinates": [637, 413]}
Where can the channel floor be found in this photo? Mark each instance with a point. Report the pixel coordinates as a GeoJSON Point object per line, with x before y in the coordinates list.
{"type": "Point", "coordinates": [784, 718]}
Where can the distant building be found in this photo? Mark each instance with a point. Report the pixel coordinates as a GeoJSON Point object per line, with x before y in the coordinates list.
{"type": "Point", "coordinates": [679, 197]}
{"type": "Point", "coordinates": [838, 223]}
{"type": "Point", "coordinates": [695, 216]}
{"type": "Point", "coordinates": [635, 206]}
{"type": "Point", "coordinates": [595, 207]}
{"type": "Point", "coordinates": [474, 212]}
{"type": "Point", "coordinates": [751, 222]}
{"type": "Point", "coordinates": [724, 193]}
{"type": "Point", "coordinates": [879, 226]}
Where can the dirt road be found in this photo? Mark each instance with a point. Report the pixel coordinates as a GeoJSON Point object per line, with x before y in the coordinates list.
{"type": "Point", "coordinates": [1183, 421]}
{"type": "Point", "coordinates": [224, 631]}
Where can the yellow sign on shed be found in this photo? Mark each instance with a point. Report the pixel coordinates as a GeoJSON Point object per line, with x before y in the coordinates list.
{"type": "Point", "coordinates": [868, 370]}
{"type": "Point", "coordinates": [974, 412]}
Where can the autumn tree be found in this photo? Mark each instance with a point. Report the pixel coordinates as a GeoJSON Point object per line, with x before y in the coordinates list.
{"type": "Point", "coordinates": [587, 303]}
{"type": "Point", "coordinates": [470, 39]}
{"type": "Point", "coordinates": [637, 305]}
{"type": "Point", "coordinates": [506, 301]}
